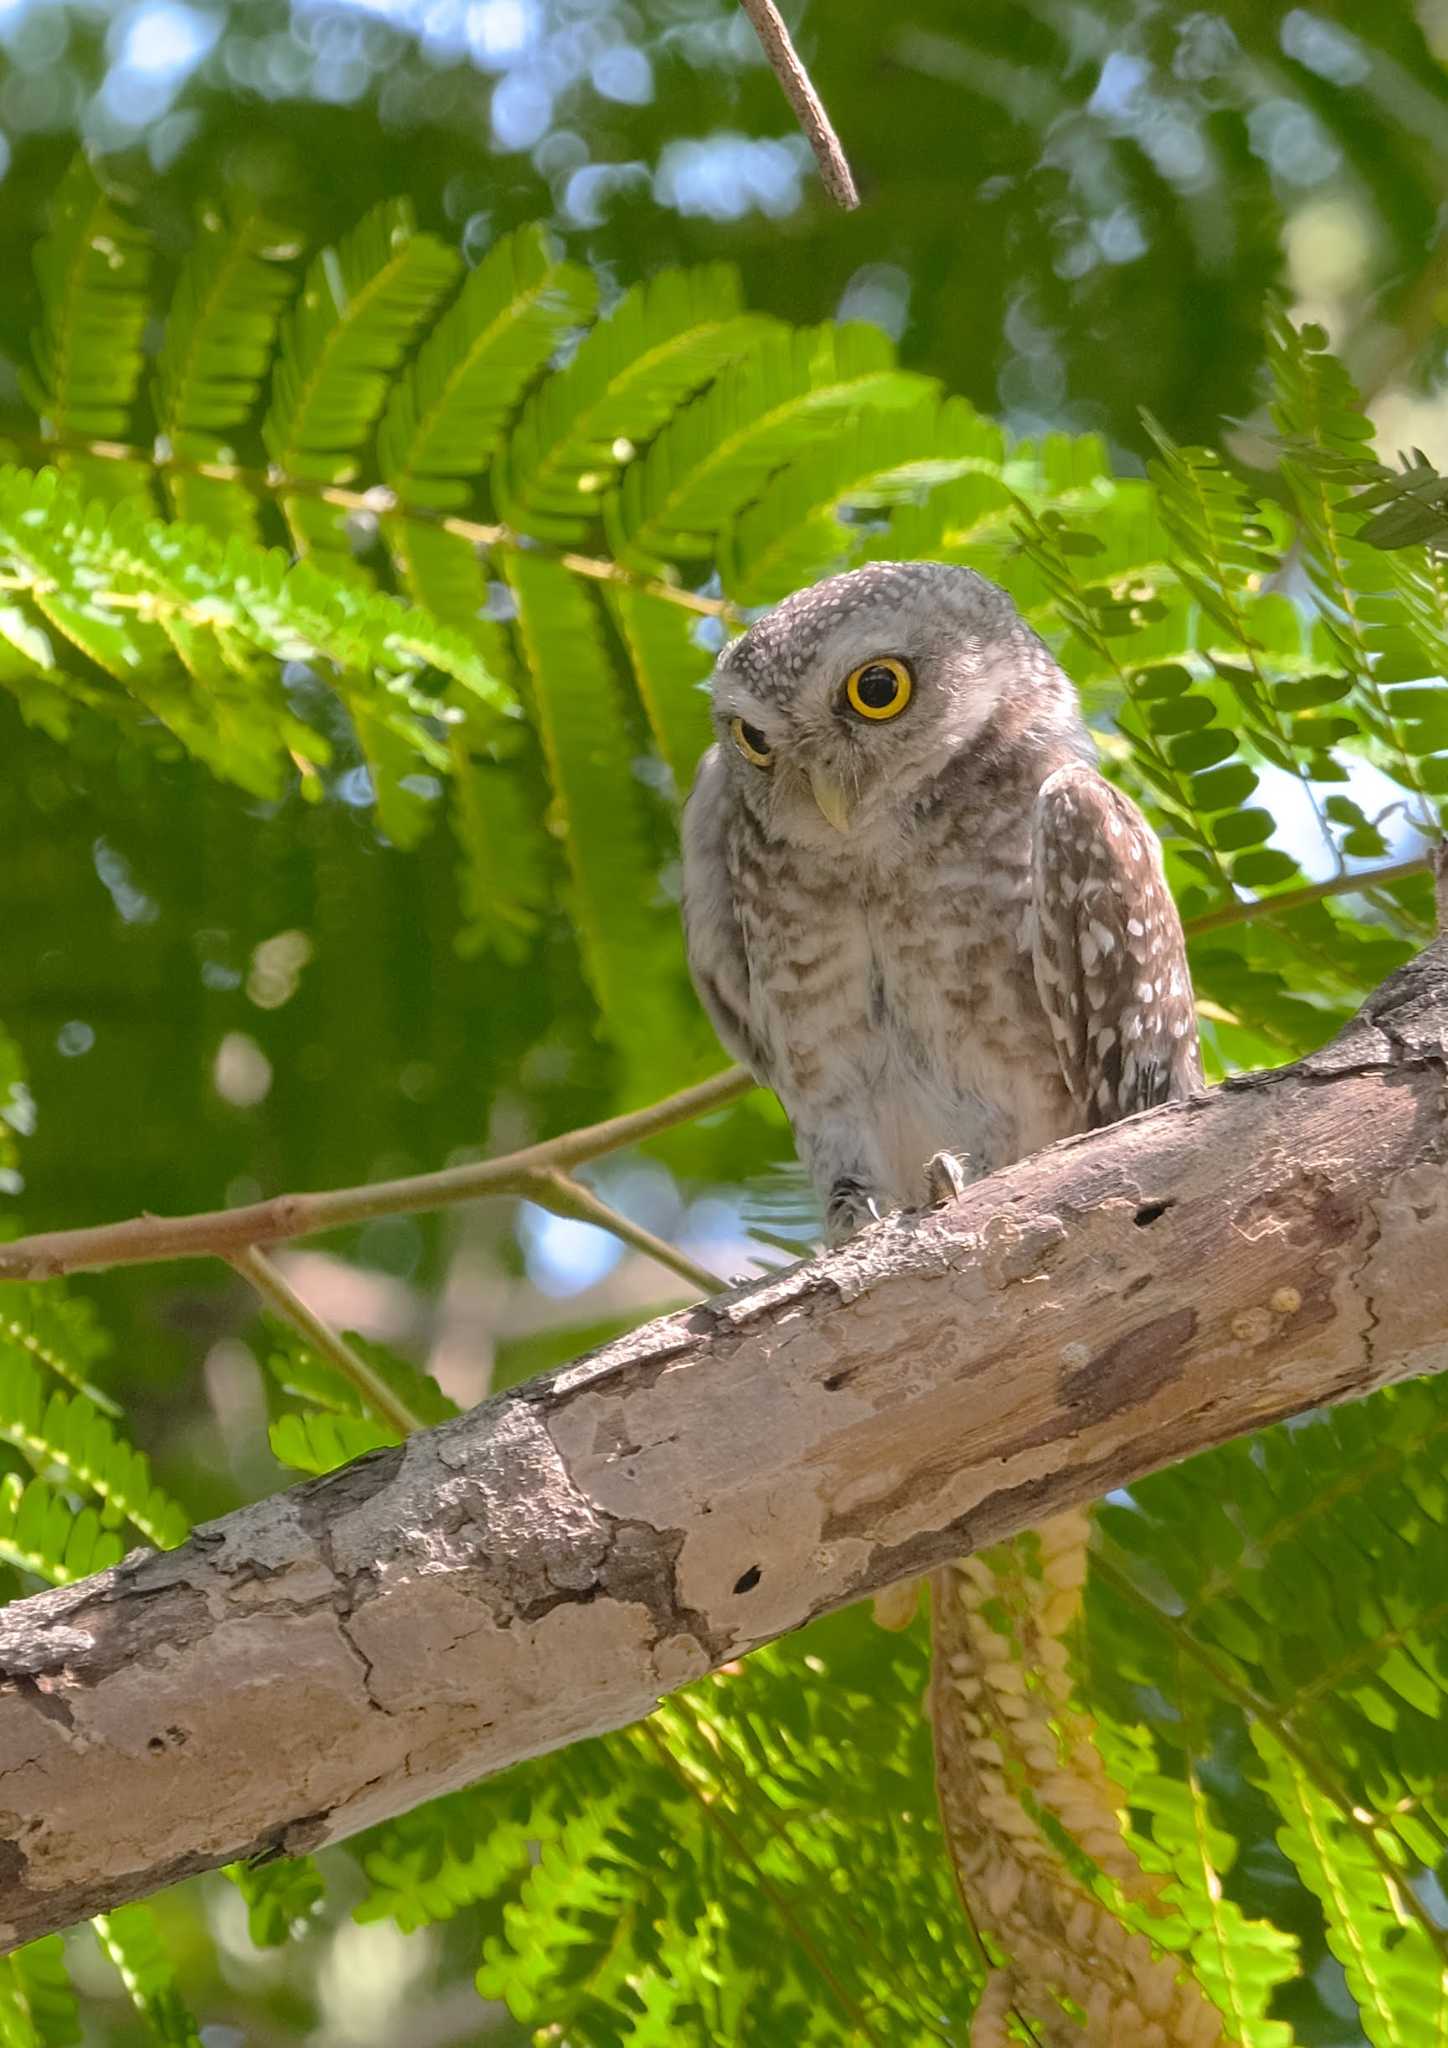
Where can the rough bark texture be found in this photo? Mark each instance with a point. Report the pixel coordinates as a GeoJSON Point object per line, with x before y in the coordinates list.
{"type": "Point", "coordinates": [545, 1567]}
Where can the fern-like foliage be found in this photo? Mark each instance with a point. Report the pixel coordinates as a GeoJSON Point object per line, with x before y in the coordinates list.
{"type": "Point", "coordinates": [1283, 1609]}
{"type": "Point", "coordinates": [38, 2006]}
{"type": "Point", "coordinates": [446, 447]}
{"type": "Point", "coordinates": [132, 1941]}
{"type": "Point", "coordinates": [217, 349]}
{"type": "Point", "coordinates": [516, 532]}
{"type": "Point", "coordinates": [335, 1423]}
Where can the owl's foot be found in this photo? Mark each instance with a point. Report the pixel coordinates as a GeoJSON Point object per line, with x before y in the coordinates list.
{"type": "Point", "coordinates": [947, 1175]}
{"type": "Point", "coordinates": [896, 1607]}
{"type": "Point", "coordinates": [850, 1207]}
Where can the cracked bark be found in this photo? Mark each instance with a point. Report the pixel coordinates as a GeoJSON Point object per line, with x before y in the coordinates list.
{"type": "Point", "coordinates": [545, 1567]}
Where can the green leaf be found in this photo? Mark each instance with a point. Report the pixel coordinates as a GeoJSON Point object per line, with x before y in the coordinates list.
{"type": "Point", "coordinates": [17, 1115]}
{"type": "Point", "coordinates": [131, 1939]}
{"type": "Point", "coordinates": [38, 2007]}
{"type": "Point", "coordinates": [446, 416]}
{"type": "Point", "coordinates": [361, 305]}
{"type": "Point", "coordinates": [627, 931]}
{"type": "Point", "coordinates": [319, 1441]}
{"type": "Point", "coordinates": [92, 268]}
{"type": "Point", "coordinates": [786, 394]}
{"type": "Point", "coordinates": [506, 878]}
{"type": "Point", "coordinates": [799, 530]}
{"type": "Point", "coordinates": [65, 1432]}
{"type": "Point", "coordinates": [220, 331]}
{"type": "Point", "coordinates": [282, 1897]}
{"type": "Point", "coordinates": [671, 663]}
{"type": "Point", "coordinates": [298, 1370]}
{"type": "Point", "coordinates": [661, 342]}
{"type": "Point", "coordinates": [42, 1534]}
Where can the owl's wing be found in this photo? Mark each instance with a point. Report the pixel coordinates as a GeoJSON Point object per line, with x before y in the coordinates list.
{"type": "Point", "coordinates": [1109, 957]}
{"type": "Point", "coordinates": [712, 937]}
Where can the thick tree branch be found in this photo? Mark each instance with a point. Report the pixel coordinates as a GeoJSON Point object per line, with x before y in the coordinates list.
{"type": "Point", "coordinates": [545, 1567]}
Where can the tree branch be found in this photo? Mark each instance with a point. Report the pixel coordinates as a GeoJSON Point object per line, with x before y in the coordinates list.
{"type": "Point", "coordinates": [533, 1172]}
{"type": "Point", "coordinates": [536, 1173]}
{"type": "Point", "coordinates": [544, 1567]}
{"type": "Point", "coordinates": [282, 1298]}
{"type": "Point", "coordinates": [809, 111]}
{"type": "Point", "coordinates": [1357, 883]}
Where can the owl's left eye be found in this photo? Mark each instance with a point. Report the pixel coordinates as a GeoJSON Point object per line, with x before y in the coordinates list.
{"type": "Point", "coordinates": [879, 688]}
{"type": "Point", "coordinates": [751, 742]}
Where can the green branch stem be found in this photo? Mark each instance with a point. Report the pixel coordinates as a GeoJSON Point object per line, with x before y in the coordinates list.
{"type": "Point", "coordinates": [280, 1296]}
{"type": "Point", "coordinates": [1348, 884]}
{"type": "Point", "coordinates": [378, 502]}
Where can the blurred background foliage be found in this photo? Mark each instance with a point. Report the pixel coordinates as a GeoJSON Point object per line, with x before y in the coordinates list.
{"type": "Point", "coordinates": [1074, 216]}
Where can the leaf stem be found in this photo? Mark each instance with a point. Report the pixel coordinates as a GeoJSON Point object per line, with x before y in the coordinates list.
{"type": "Point", "coordinates": [377, 502]}
{"type": "Point", "coordinates": [220, 1233]}
{"type": "Point", "coordinates": [1294, 899]}
{"type": "Point", "coordinates": [278, 1293]}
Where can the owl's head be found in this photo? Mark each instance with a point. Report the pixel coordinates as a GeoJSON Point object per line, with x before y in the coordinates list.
{"type": "Point", "coordinates": [839, 707]}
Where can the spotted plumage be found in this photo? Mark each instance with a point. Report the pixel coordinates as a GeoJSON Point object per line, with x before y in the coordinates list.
{"type": "Point", "coordinates": [913, 907]}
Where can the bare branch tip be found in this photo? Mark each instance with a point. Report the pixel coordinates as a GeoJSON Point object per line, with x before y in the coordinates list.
{"type": "Point", "coordinates": [798, 87]}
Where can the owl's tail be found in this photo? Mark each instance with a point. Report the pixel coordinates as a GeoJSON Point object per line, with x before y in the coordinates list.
{"type": "Point", "coordinates": [1014, 1764]}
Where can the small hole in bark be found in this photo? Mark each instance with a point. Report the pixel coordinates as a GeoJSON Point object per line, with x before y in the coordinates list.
{"type": "Point", "coordinates": [833, 1381]}
{"type": "Point", "coordinates": [1151, 1212]}
{"type": "Point", "coordinates": [747, 1581]}
{"type": "Point", "coordinates": [156, 1745]}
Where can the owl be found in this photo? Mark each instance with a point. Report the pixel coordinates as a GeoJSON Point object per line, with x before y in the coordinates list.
{"type": "Point", "coordinates": [913, 907]}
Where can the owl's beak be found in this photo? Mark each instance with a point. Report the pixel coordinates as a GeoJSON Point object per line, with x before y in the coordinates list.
{"type": "Point", "coordinates": [833, 799]}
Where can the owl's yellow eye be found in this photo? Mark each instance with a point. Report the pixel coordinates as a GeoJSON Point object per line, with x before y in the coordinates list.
{"type": "Point", "coordinates": [751, 743]}
{"type": "Point", "coordinates": [879, 688]}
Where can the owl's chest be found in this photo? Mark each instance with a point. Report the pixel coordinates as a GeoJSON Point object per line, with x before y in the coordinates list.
{"type": "Point", "coordinates": [908, 995]}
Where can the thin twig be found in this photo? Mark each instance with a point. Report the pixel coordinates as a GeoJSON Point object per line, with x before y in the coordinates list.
{"type": "Point", "coordinates": [568, 1197]}
{"type": "Point", "coordinates": [808, 107]}
{"type": "Point", "coordinates": [280, 1295]}
{"type": "Point", "coordinates": [377, 502]}
{"type": "Point", "coordinates": [1294, 899]}
{"type": "Point", "coordinates": [218, 1233]}
{"type": "Point", "coordinates": [537, 1172]}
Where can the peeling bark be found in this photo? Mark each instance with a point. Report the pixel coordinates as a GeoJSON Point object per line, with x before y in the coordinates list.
{"type": "Point", "coordinates": [548, 1565]}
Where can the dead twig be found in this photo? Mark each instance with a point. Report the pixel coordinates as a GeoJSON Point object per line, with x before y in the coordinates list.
{"type": "Point", "coordinates": [808, 107]}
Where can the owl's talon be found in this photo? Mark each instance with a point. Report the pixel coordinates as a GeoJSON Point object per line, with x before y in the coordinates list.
{"type": "Point", "coordinates": [896, 1607]}
{"type": "Point", "coordinates": [946, 1177]}
{"type": "Point", "coordinates": [850, 1207]}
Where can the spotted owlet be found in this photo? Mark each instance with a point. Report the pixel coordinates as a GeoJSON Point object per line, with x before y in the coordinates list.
{"type": "Point", "coordinates": [913, 907]}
